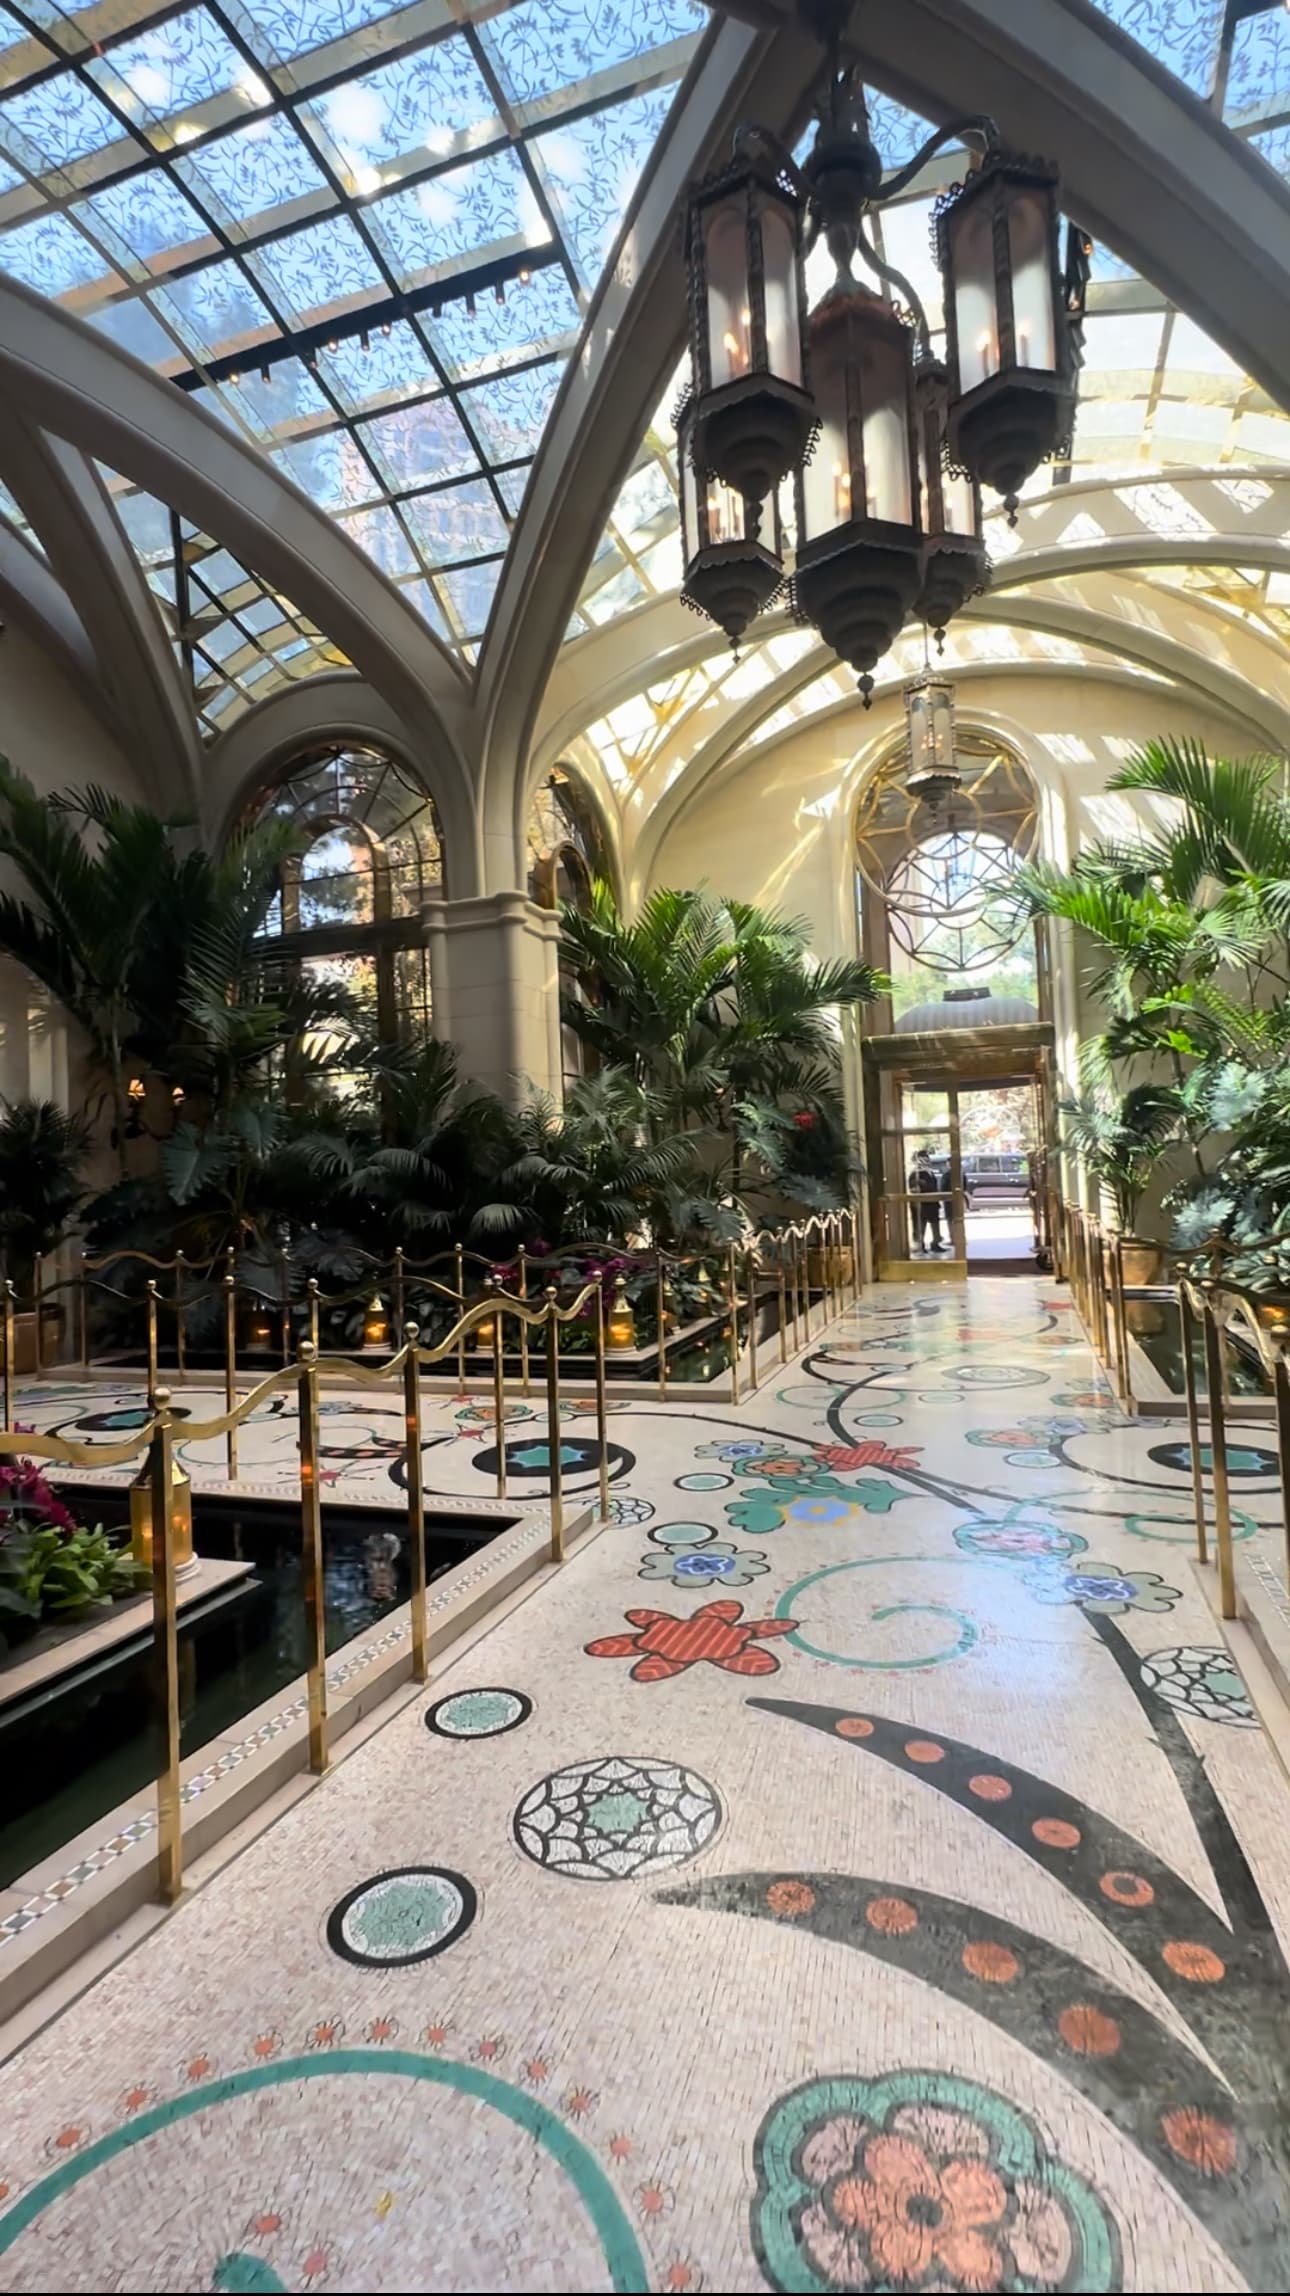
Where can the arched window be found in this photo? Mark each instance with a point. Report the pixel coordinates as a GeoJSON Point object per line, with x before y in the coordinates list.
{"type": "Point", "coordinates": [933, 879]}
{"type": "Point", "coordinates": [349, 911]}
{"type": "Point", "coordinates": [567, 851]}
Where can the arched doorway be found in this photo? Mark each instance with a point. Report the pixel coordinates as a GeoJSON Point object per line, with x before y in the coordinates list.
{"type": "Point", "coordinates": [957, 1061]}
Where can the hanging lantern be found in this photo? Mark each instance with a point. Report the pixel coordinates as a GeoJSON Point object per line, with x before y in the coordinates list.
{"type": "Point", "coordinates": [955, 564]}
{"type": "Point", "coordinates": [932, 773]}
{"type": "Point", "coordinates": [753, 418]}
{"type": "Point", "coordinates": [729, 573]}
{"type": "Point", "coordinates": [1012, 321]}
{"type": "Point", "coordinates": [859, 531]}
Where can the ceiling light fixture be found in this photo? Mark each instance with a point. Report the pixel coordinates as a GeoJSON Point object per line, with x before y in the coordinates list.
{"type": "Point", "coordinates": [885, 446]}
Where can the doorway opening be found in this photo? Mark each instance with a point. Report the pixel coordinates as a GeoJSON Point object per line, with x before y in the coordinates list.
{"type": "Point", "coordinates": [963, 1179]}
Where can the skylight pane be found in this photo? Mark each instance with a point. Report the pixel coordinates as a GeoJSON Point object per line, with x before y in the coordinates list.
{"type": "Point", "coordinates": [1258, 81]}
{"type": "Point", "coordinates": [175, 67]}
{"type": "Point", "coordinates": [394, 366]}
{"type": "Point", "coordinates": [136, 329]}
{"type": "Point", "coordinates": [316, 272]}
{"type": "Point", "coordinates": [543, 45]}
{"type": "Point", "coordinates": [214, 310]}
{"type": "Point", "coordinates": [258, 168]}
{"type": "Point", "coordinates": [457, 522]}
{"type": "Point", "coordinates": [429, 106]}
{"type": "Point", "coordinates": [509, 412]}
{"type": "Point", "coordinates": [379, 533]}
{"type": "Point", "coordinates": [60, 121]}
{"type": "Point", "coordinates": [470, 592]}
{"type": "Point", "coordinates": [472, 213]}
{"type": "Point", "coordinates": [592, 167]}
{"type": "Point", "coordinates": [51, 255]}
{"type": "Point", "coordinates": [1183, 35]}
{"type": "Point", "coordinates": [278, 30]}
{"type": "Point", "coordinates": [540, 315]}
{"type": "Point", "coordinates": [290, 395]}
{"type": "Point", "coordinates": [144, 217]}
{"type": "Point", "coordinates": [414, 446]}
{"type": "Point", "coordinates": [329, 469]}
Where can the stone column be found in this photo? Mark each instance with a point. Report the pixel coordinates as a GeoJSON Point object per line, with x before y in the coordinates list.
{"type": "Point", "coordinates": [494, 969]}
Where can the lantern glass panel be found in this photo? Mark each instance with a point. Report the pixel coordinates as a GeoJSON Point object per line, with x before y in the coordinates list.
{"type": "Point", "coordinates": [931, 728]}
{"type": "Point", "coordinates": [884, 398]}
{"type": "Point", "coordinates": [959, 501]}
{"type": "Point", "coordinates": [725, 242]}
{"type": "Point", "coordinates": [975, 314]}
{"type": "Point", "coordinates": [725, 513]}
{"type": "Point", "coordinates": [783, 316]}
{"type": "Point", "coordinates": [1030, 246]}
{"type": "Point", "coordinates": [826, 480]}
{"type": "Point", "coordinates": [690, 537]}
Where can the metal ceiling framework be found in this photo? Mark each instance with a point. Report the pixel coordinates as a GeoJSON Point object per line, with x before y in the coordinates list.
{"type": "Point", "coordinates": [377, 141]}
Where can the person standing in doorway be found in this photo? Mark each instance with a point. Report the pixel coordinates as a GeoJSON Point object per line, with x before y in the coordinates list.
{"type": "Point", "coordinates": [925, 1188]}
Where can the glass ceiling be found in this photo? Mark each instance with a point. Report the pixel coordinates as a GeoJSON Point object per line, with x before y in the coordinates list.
{"type": "Point", "coordinates": [362, 234]}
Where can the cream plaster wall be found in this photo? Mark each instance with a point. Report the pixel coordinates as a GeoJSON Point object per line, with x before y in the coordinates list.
{"type": "Point", "coordinates": [52, 736]}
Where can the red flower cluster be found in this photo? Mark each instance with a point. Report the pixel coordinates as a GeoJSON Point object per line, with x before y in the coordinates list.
{"type": "Point", "coordinates": [26, 1497]}
{"type": "Point", "coordinates": [870, 1454]}
{"type": "Point", "coordinates": [806, 1120]}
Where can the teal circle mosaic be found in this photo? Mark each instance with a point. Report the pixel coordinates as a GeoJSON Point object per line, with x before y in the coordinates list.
{"type": "Point", "coordinates": [479, 1713]}
{"type": "Point", "coordinates": [406, 1915]}
{"type": "Point", "coordinates": [704, 1482]}
{"type": "Point", "coordinates": [964, 1638]}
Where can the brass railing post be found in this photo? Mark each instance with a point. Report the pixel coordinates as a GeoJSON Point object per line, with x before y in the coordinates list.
{"type": "Point", "coordinates": [804, 1281]}
{"type": "Point", "coordinates": [285, 1269]}
{"type": "Point", "coordinates": [1218, 1457]}
{"type": "Point", "coordinates": [8, 1353]}
{"type": "Point", "coordinates": [750, 1281]}
{"type": "Point", "coordinates": [553, 1437]}
{"type": "Point", "coordinates": [312, 1558]}
{"type": "Point", "coordinates": [416, 1502]}
{"type": "Point", "coordinates": [165, 1653]}
{"type": "Point", "coordinates": [660, 1311]}
{"type": "Point", "coordinates": [230, 1368]}
{"type": "Point", "coordinates": [499, 1384]}
{"type": "Point", "coordinates": [783, 1305]}
{"type": "Point", "coordinates": [311, 1293]}
{"type": "Point", "coordinates": [398, 1287]}
{"type": "Point", "coordinates": [602, 1427]}
{"type": "Point", "coordinates": [460, 1266]}
{"type": "Point", "coordinates": [853, 1226]}
{"type": "Point", "coordinates": [732, 1304]}
{"type": "Point", "coordinates": [1187, 1333]}
{"type": "Point", "coordinates": [1121, 1320]}
{"type": "Point", "coordinates": [179, 1316]}
{"type": "Point", "coordinates": [84, 1317]}
{"type": "Point", "coordinates": [1281, 1391]}
{"type": "Point", "coordinates": [152, 1337]}
{"type": "Point", "coordinates": [38, 1295]}
{"type": "Point", "coordinates": [523, 1260]}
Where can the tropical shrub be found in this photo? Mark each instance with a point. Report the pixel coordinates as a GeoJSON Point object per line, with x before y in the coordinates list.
{"type": "Point", "coordinates": [42, 1159]}
{"type": "Point", "coordinates": [51, 1567]}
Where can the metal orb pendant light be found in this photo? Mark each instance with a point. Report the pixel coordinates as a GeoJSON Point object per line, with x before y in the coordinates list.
{"type": "Point", "coordinates": [886, 447]}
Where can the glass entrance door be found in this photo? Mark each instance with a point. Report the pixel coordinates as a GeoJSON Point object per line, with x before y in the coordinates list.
{"type": "Point", "coordinates": [920, 1212]}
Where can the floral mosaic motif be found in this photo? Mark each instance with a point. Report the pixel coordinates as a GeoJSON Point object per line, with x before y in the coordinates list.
{"type": "Point", "coordinates": [479, 1713]}
{"type": "Point", "coordinates": [1012, 1538]}
{"type": "Point", "coordinates": [628, 1510]}
{"type": "Point", "coordinates": [921, 2180]}
{"type": "Point", "coordinates": [618, 1816]}
{"type": "Point", "coordinates": [1100, 1588]}
{"type": "Point", "coordinates": [1248, 1462]}
{"type": "Point", "coordinates": [716, 1635]}
{"type": "Point", "coordinates": [797, 1490]}
{"type": "Point", "coordinates": [704, 1562]}
{"type": "Point", "coordinates": [1030, 1442]}
{"type": "Point", "coordinates": [402, 1916]}
{"type": "Point", "coordinates": [870, 1453]}
{"type": "Point", "coordinates": [1201, 1682]}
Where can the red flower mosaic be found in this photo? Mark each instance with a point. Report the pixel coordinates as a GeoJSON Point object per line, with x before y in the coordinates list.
{"type": "Point", "coordinates": [868, 1454]}
{"type": "Point", "coordinates": [716, 1635]}
{"type": "Point", "coordinates": [580, 2102]}
{"type": "Point", "coordinates": [487, 2051]}
{"type": "Point", "coordinates": [434, 2036]}
{"type": "Point", "coordinates": [382, 2029]}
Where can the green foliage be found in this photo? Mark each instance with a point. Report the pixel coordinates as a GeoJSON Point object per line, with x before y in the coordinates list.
{"type": "Point", "coordinates": [42, 1157]}
{"type": "Point", "coordinates": [51, 1567]}
{"type": "Point", "coordinates": [1121, 1139]}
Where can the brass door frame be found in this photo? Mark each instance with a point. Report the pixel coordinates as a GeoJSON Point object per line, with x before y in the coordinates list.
{"type": "Point", "coordinates": [941, 1065]}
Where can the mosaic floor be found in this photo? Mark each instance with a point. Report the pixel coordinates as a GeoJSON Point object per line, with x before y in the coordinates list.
{"type": "Point", "coordinates": [860, 1868]}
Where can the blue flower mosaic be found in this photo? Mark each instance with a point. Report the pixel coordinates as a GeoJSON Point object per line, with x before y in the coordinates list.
{"type": "Point", "coordinates": [704, 1563]}
{"type": "Point", "coordinates": [1100, 1588]}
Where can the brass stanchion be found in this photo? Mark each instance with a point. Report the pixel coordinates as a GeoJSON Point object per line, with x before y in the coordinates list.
{"type": "Point", "coordinates": [1120, 1319]}
{"type": "Point", "coordinates": [804, 1282]}
{"type": "Point", "coordinates": [1218, 1457]}
{"type": "Point", "coordinates": [554, 1445]}
{"type": "Point", "coordinates": [165, 1653]}
{"type": "Point", "coordinates": [499, 1385]}
{"type": "Point", "coordinates": [602, 1430]}
{"type": "Point", "coordinates": [285, 1268]}
{"type": "Point", "coordinates": [179, 1317]}
{"type": "Point", "coordinates": [660, 1311]}
{"type": "Point", "coordinates": [152, 1338]}
{"type": "Point", "coordinates": [38, 1295]}
{"type": "Point", "coordinates": [732, 1306]}
{"type": "Point", "coordinates": [312, 1558]}
{"type": "Point", "coordinates": [311, 1292]}
{"type": "Point", "coordinates": [84, 1318]}
{"type": "Point", "coordinates": [853, 1226]}
{"type": "Point", "coordinates": [8, 1353]}
{"type": "Point", "coordinates": [398, 1288]}
{"type": "Point", "coordinates": [416, 1502]}
{"type": "Point", "coordinates": [783, 1306]}
{"type": "Point", "coordinates": [461, 1309]}
{"type": "Point", "coordinates": [230, 1366]}
{"type": "Point", "coordinates": [523, 1259]}
{"type": "Point", "coordinates": [1281, 1391]}
{"type": "Point", "coordinates": [750, 1282]}
{"type": "Point", "coordinates": [1187, 1334]}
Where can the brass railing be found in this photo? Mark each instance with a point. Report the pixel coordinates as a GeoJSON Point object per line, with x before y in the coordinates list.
{"type": "Point", "coordinates": [1215, 1308]}
{"type": "Point", "coordinates": [806, 1268]}
{"type": "Point", "coordinates": [155, 1440]}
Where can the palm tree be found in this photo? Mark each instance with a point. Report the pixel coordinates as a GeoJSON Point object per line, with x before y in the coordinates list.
{"type": "Point", "coordinates": [1121, 1140]}
{"type": "Point", "coordinates": [591, 1171]}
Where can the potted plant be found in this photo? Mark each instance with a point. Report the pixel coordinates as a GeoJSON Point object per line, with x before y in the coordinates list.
{"type": "Point", "coordinates": [42, 1151]}
{"type": "Point", "coordinates": [1120, 1142]}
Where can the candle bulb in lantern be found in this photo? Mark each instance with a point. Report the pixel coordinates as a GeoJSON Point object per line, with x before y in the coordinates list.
{"type": "Point", "coordinates": [841, 493]}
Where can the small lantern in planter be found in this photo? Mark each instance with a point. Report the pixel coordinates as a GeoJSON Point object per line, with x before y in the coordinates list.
{"type": "Point", "coordinates": [181, 1519]}
{"type": "Point", "coordinates": [259, 1327]}
{"type": "Point", "coordinates": [620, 1336]}
{"type": "Point", "coordinates": [376, 1324]}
